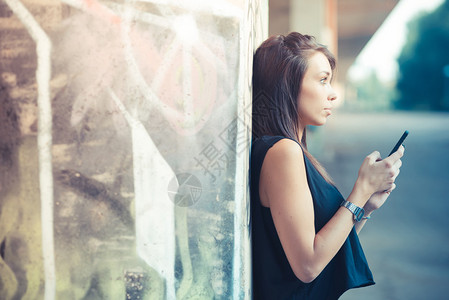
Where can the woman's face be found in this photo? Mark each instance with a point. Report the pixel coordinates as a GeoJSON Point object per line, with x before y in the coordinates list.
{"type": "Point", "coordinates": [316, 95]}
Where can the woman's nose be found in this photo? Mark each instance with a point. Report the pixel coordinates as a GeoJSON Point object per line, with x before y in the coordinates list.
{"type": "Point", "coordinates": [332, 95]}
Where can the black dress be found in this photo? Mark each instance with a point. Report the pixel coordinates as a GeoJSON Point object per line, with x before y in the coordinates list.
{"type": "Point", "coordinates": [273, 277]}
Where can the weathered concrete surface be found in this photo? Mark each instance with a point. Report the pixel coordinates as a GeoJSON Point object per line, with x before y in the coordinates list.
{"type": "Point", "coordinates": [142, 115]}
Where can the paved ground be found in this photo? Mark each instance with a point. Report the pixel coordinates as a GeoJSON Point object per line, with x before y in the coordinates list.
{"type": "Point", "coordinates": [407, 241]}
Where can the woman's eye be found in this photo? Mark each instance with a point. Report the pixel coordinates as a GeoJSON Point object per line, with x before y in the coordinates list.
{"type": "Point", "coordinates": [323, 80]}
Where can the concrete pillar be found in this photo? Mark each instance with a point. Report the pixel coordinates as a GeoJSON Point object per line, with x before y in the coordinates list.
{"type": "Point", "coordinates": [317, 18]}
{"type": "Point", "coordinates": [124, 145]}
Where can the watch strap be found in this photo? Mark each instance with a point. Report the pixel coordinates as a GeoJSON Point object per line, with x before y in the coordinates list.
{"type": "Point", "coordinates": [357, 211]}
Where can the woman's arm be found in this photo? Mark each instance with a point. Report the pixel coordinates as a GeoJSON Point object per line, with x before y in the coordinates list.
{"type": "Point", "coordinates": [283, 187]}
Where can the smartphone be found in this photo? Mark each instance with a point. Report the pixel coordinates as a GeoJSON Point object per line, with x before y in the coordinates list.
{"type": "Point", "coordinates": [399, 143]}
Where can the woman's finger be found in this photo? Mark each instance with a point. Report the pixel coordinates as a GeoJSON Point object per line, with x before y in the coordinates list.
{"type": "Point", "coordinates": [395, 156]}
{"type": "Point", "coordinates": [398, 163]}
{"type": "Point", "coordinates": [397, 173]}
{"type": "Point", "coordinates": [388, 191]}
{"type": "Point", "coordinates": [374, 156]}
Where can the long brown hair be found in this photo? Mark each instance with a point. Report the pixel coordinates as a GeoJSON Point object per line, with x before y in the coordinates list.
{"type": "Point", "coordinates": [278, 70]}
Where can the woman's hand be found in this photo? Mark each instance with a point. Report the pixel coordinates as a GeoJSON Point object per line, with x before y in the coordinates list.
{"type": "Point", "coordinates": [376, 201]}
{"type": "Point", "coordinates": [378, 175]}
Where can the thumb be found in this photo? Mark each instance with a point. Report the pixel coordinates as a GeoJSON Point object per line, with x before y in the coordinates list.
{"type": "Point", "coordinates": [374, 156]}
{"type": "Point", "coordinates": [396, 155]}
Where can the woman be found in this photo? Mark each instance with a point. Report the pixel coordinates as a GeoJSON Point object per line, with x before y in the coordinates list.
{"type": "Point", "coordinates": [304, 233]}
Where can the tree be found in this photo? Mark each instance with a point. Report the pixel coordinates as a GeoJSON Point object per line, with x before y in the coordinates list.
{"type": "Point", "coordinates": [422, 84]}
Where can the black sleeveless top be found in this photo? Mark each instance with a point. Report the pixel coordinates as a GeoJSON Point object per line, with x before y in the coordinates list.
{"type": "Point", "coordinates": [273, 277]}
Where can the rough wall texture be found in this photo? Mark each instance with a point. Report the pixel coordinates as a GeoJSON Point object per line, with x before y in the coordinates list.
{"type": "Point", "coordinates": [124, 140]}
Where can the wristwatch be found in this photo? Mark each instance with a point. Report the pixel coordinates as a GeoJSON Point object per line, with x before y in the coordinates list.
{"type": "Point", "coordinates": [357, 211]}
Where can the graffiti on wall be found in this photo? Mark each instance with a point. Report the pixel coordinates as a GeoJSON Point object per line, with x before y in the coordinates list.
{"type": "Point", "coordinates": [123, 133]}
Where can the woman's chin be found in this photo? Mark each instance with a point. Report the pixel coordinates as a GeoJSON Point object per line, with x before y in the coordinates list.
{"type": "Point", "coordinates": [320, 122]}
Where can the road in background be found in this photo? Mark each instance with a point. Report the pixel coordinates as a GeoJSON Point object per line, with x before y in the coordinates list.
{"type": "Point", "coordinates": [406, 242]}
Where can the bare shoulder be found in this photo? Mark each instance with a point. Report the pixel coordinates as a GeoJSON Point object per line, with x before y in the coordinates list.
{"type": "Point", "coordinates": [283, 166]}
{"type": "Point", "coordinates": [285, 149]}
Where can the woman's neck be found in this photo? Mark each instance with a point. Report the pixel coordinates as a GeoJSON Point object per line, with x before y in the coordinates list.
{"type": "Point", "coordinates": [300, 133]}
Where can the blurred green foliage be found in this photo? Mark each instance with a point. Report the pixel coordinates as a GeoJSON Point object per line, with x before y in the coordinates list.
{"type": "Point", "coordinates": [370, 93]}
{"type": "Point", "coordinates": [422, 82]}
